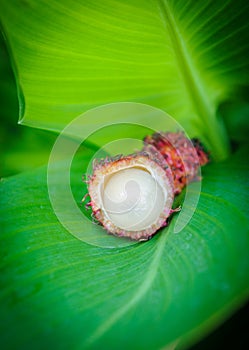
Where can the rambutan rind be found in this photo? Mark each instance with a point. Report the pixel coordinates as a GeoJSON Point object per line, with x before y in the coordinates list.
{"type": "Point", "coordinates": [183, 156]}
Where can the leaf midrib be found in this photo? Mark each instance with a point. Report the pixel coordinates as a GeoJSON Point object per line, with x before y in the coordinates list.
{"type": "Point", "coordinates": [204, 107]}
{"type": "Point", "coordinates": [139, 294]}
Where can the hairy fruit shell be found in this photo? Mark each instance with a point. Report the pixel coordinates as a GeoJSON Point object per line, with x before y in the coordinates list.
{"type": "Point", "coordinates": [182, 156]}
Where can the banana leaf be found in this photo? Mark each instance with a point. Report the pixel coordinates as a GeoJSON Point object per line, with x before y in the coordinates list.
{"type": "Point", "coordinates": [185, 58]}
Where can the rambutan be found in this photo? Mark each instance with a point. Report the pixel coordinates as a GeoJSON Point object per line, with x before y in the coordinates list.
{"type": "Point", "coordinates": [132, 196]}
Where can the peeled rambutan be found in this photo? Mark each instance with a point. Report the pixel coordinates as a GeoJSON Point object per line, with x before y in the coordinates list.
{"type": "Point", "coordinates": [132, 196]}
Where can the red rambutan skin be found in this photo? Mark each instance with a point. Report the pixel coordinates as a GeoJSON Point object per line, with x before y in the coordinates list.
{"type": "Point", "coordinates": [182, 156]}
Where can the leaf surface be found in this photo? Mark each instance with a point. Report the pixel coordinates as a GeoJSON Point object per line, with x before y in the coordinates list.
{"type": "Point", "coordinates": [74, 295]}
{"type": "Point", "coordinates": [184, 57]}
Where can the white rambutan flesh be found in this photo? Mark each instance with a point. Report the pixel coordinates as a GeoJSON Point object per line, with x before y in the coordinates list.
{"type": "Point", "coordinates": [131, 196]}
{"type": "Point", "coordinates": [133, 199]}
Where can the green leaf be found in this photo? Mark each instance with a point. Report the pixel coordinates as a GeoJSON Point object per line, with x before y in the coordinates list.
{"type": "Point", "coordinates": [57, 291]}
{"type": "Point", "coordinates": [184, 57]}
